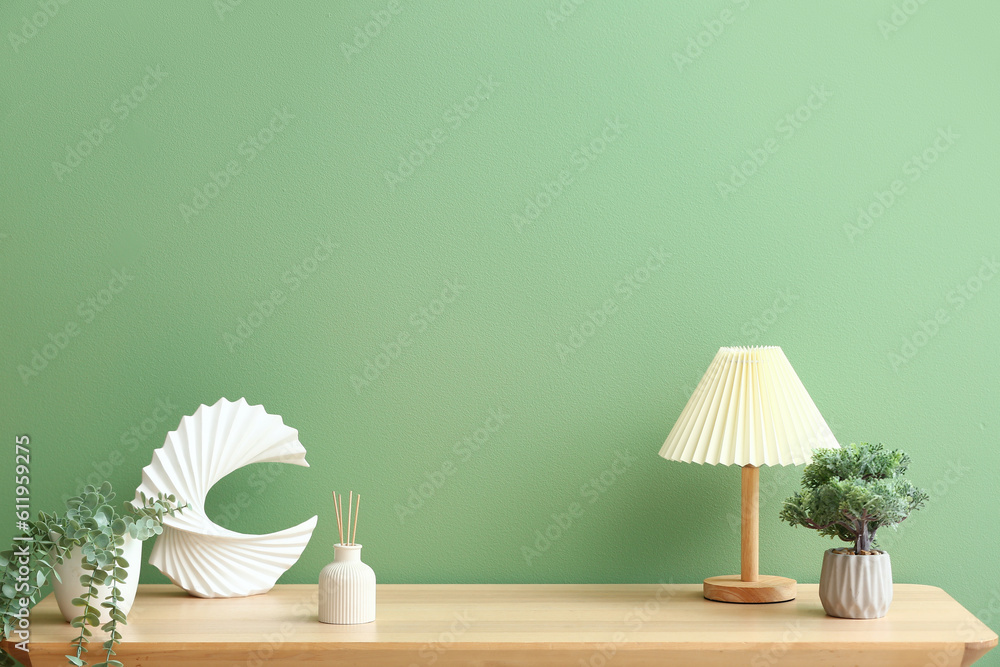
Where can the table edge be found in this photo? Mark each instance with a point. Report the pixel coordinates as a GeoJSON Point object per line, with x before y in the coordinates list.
{"type": "Point", "coordinates": [983, 644]}
{"type": "Point", "coordinates": [853, 645]}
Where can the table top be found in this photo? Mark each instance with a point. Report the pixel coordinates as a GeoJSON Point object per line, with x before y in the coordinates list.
{"type": "Point", "coordinates": [525, 617]}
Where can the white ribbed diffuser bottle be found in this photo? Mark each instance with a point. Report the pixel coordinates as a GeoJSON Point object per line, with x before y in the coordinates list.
{"type": "Point", "coordinates": [346, 588]}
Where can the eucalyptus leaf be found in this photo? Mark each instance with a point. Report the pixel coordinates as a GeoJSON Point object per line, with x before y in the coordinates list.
{"type": "Point", "coordinates": [103, 515]}
{"type": "Point", "coordinates": [92, 526]}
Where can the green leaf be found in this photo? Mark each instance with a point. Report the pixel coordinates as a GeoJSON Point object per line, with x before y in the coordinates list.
{"type": "Point", "coordinates": [39, 578]}
{"type": "Point", "coordinates": [79, 602]}
{"type": "Point", "coordinates": [8, 591]}
{"type": "Point", "coordinates": [73, 660]}
{"type": "Point", "coordinates": [852, 491]}
{"type": "Point", "coordinates": [104, 515]}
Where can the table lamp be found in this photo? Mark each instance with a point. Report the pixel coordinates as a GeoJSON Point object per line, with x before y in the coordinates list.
{"type": "Point", "coordinates": [750, 409]}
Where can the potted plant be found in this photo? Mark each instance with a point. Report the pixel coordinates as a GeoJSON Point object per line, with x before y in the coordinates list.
{"type": "Point", "coordinates": [101, 536]}
{"type": "Point", "coordinates": [850, 493]}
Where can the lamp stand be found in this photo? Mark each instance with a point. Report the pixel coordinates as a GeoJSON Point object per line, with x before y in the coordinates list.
{"type": "Point", "coordinates": [750, 586]}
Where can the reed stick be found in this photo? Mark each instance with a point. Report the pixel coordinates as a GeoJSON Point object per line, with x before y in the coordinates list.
{"type": "Point", "coordinates": [340, 525]}
{"type": "Point", "coordinates": [350, 501]}
{"type": "Point", "coordinates": [357, 511]}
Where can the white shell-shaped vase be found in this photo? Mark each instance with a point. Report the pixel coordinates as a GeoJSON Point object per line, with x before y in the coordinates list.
{"type": "Point", "coordinates": [855, 586]}
{"type": "Point", "coordinates": [198, 555]}
{"type": "Point", "coordinates": [346, 588]}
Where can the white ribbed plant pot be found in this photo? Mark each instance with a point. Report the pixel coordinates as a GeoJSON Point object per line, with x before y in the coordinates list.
{"type": "Point", "coordinates": [71, 569]}
{"type": "Point", "coordinates": [855, 586]}
{"type": "Point", "coordinates": [346, 588]}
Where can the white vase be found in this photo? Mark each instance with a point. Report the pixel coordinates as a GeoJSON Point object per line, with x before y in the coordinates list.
{"type": "Point", "coordinates": [855, 586]}
{"type": "Point", "coordinates": [71, 569]}
{"type": "Point", "coordinates": [203, 558]}
{"type": "Point", "coordinates": [346, 588]}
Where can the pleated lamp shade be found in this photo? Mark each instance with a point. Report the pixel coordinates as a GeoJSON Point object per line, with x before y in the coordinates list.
{"type": "Point", "coordinates": [750, 408]}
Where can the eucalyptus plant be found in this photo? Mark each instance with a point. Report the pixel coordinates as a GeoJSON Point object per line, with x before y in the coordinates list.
{"type": "Point", "coordinates": [92, 525]}
{"type": "Point", "coordinates": [851, 492]}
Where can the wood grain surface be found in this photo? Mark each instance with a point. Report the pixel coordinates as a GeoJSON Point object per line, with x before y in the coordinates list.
{"type": "Point", "coordinates": [444, 625]}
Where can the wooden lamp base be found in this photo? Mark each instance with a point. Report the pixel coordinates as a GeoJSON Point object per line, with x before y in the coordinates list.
{"type": "Point", "coordinates": [749, 587]}
{"type": "Point", "coordinates": [733, 589]}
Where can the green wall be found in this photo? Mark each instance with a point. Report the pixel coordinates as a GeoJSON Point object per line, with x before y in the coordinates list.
{"type": "Point", "coordinates": [578, 202]}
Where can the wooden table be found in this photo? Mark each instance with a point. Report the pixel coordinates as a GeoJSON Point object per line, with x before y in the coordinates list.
{"type": "Point", "coordinates": [446, 625]}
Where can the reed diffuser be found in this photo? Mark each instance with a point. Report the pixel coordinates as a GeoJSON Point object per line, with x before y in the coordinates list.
{"type": "Point", "coordinates": [347, 586]}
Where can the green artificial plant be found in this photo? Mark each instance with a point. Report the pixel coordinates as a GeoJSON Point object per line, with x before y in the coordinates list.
{"type": "Point", "coordinates": [95, 527]}
{"type": "Point", "coordinates": [851, 492]}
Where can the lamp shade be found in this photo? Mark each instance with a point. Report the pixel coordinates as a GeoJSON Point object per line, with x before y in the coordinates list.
{"type": "Point", "coordinates": [750, 408]}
